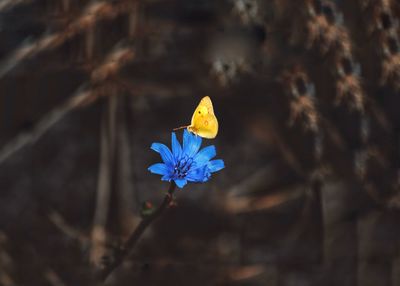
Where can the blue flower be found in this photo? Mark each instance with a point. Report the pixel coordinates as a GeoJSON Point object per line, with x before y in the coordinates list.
{"type": "Point", "coordinates": [187, 163]}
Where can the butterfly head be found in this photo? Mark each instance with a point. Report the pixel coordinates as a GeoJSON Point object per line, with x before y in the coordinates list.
{"type": "Point", "coordinates": [192, 129]}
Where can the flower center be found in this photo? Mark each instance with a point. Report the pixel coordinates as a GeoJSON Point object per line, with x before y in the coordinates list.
{"type": "Point", "coordinates": [183, 166]}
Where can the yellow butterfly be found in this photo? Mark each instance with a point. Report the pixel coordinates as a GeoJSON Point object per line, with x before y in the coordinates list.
{"type": "Point", "coordinates": [204, 123]}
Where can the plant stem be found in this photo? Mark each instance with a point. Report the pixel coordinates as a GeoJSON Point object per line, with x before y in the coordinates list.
{"type": "Point", "coordinates": [135, 236]}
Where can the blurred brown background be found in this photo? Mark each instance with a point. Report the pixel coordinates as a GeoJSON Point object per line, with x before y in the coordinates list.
{"type": "Point", "coordinates": [307, 96]}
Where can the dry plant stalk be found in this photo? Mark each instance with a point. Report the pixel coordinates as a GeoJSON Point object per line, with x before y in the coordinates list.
{"type": "Point", "coordinates": [391, 70]}
{"type": "Point", "coordinates": [302, 101]}
{"type": "Point", "coordinates": [349, 90]}
{"type": "Point", "coordinates": [323, 33]}
{"type": "Point", "coordinates": [382, 22]}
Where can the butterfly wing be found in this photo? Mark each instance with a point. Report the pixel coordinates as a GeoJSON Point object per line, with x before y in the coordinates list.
{"type": "Point", "coordinates": [206, 126]}
{"type": "Point", "coordinates": [204, 123]}
{"type": "Point", "coordinates": [206, 101]}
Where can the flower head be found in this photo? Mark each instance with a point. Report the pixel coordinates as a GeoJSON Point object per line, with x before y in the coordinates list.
{"type": "Point", "coordinates": [186, 163]}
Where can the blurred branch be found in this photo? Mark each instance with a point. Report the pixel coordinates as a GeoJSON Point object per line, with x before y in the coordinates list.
{"type": "Point", "coordinates": [125, 187]}
{"type": "Point", "coordinates": [311, 215]}
{"type": "Point", "coordinates": [71, 232]}
{"type": "Point", "coordinates": [244, 273]}
{"type": "Point", "coordinates": [53, 278]}
{"type": "Point", "coordinates": [10, 4]}
{"type": "Point", "coordinates": [6, 262]}
{"type": "Point", "coordinates": [43, 125]}
{"type": "Point", "coordinates": [256, 180]}
{"type": "Point", "coordinates": [86, 93]}
{"type": "Point", "coordinates": [6, 280]}
{"type": "Point", "coordinates": [104, 183]}
{"type": "Point", "coordinates": [247, 204]}
{"type": "Point", "coordinates": [121, 254]}
{"type": "Point", "coordinates": [94, 12]}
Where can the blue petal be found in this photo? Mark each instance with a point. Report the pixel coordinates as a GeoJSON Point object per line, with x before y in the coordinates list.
{"type": "Point", "coordinates": [165, 153]}
{"type": "Point", "coordinates": [180, 182]}
{"type": "Point", "coordinates": [197, 175]}
{"type": "Point", "coordinates": [166, 177]}
{"type": "Point", "coordinates": [215, 165]}
{"type": "Point", "coordinates": [205, 155]}
{"type": "Point", "coordinates": [159, 168]}
{"type": "Point", "coordinates": [191, 143]}
{"type": "Point", "coordinates": [176, 146]}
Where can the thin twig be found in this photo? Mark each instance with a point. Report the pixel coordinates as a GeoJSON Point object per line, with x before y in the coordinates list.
{"type": "Point", "coordinates": [135, 236]}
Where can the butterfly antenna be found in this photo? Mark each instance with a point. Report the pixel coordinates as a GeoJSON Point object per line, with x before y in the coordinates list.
{"type": "Point", "coordinates": [179, 128]}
